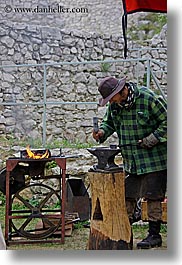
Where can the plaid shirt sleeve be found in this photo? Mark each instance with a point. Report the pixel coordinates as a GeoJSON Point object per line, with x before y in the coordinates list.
{"type": "Point", "coordinates": [107, 125]}
{"type": "Point", "coordinates": [147, 115]}
{"type": "Point", "coordinates": [159, 112]}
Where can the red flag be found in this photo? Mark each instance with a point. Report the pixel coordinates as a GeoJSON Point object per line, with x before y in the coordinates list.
{"type": "Point", "coordinates": [132, 6]}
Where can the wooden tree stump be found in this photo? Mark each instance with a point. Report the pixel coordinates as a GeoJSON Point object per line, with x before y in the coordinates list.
{"type": "Point", "coordinates": [110, 228]}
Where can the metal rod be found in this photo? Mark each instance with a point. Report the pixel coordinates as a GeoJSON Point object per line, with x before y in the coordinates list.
{"type": "Point", "coordinates": [148, 74]}
{"type": "Point", "coordinates": [147, 48]}
{"type": "Point", "coordinates": [44, 112]}
{"type": "Point", "coordinates": [159, 63]}
{"type": "Point", "coordinates": [137, 68]}
{"type": "Point", "coordinates": [157, 84]}
{"type": "Point", "coordinates": [21, 103]}
{"type": "Point", "coordinates": [75, 63]}
{"type": "Point", "coordinates": [87, 62]}
{"type": "Point", "coordinates": [47, 103]}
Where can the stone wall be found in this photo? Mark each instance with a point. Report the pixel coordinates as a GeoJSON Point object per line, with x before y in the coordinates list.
{"type": "Point", "coordinates": [83, 15]}
{"type": "Point", "coordinates": [26, 46]}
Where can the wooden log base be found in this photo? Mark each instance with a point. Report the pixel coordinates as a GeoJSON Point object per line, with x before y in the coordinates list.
{"type": "Point", "coordinates": [97, 241]}
{"type": "Point", "coordinates": [109, 227]}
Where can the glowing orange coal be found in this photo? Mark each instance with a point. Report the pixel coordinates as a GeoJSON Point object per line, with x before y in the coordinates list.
{"type": "Point", "coordinates": [36, 154]}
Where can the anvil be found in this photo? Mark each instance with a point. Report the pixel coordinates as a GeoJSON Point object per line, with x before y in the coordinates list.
{"type": "Point", "coordinates": [106, 157]}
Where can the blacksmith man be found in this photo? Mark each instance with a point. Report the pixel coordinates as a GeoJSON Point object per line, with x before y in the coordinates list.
{"type": "Point", "coordinates": [139, 117]}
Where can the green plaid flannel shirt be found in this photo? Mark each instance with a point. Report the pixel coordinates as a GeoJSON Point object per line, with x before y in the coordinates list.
{"type": "Point", "coordinates": [147, 115]}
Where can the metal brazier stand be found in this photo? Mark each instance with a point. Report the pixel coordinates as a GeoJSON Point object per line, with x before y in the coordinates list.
{"type": "Point", "coordinates": [18, 220]}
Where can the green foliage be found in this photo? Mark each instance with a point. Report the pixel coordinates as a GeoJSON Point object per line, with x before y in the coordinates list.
{"type": "Point", "coordinates": [18, 206]}
{"type": "Point", "coordinates": [2, 215]}
{"type": "Point", "coordinates": [2, 198]}
{"type": "Point", "coordinates": [57, 205]}
{"type": "Point", "coordinates": [11, 141]}
{"type": "Point", "coordinates": [68, 144]}
{"type": "Point", "coordinates": [145, 79]}
{"type": "Point", "coordinates": [81, 224]}
{"type": "Point", "coordinates": [157, 17]}
{"type": "Point", "coordinates": [105, 67]}
{"type": "Point", "coordinates": [144, 83]}
{"type": "Point", "coordinates": [34, 202]}
{"type": "Point", "coordinates": [140, 231]}
{"type": "Point", "coordinates": [155, 23]}
{"type": "Point", "coordinates": [163, 229]}
{"type": "Point", "coordinates": [51, 164]}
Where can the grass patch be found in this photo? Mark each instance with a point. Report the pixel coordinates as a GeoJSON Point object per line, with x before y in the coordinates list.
{"type": "Point", "coordinates": [155, 23]}
{"type": "Point", "coordinates": [105, 67]}
{"type": "Point", "coordinates": [8, 144]}
{"type": "Point", "coordinates": [10, 141]}
{"type": "Point", "coordinates": [141, 231]}
{"type": "Point", "coordinates": [79, 238]}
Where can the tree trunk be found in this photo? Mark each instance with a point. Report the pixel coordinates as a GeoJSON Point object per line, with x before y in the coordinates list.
{"type": "Point", "coordinates": [110, 228]}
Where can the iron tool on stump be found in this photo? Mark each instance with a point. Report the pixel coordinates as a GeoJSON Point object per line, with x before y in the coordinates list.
{"type": "Point", "coordinates": [110, 228]}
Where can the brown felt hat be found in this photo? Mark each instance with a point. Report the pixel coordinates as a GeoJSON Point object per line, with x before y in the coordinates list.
{"type": "Point", "coordinates": [109, 87]}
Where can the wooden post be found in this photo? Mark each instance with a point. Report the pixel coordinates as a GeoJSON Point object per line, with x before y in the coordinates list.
{"type": "Point", "coordinates": [110, 228]}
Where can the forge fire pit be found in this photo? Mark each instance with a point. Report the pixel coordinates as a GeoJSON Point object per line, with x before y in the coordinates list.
{"type": "Point", "coordinates": [35, 154]}
{"type": "Point", "coordinates": [33, 221]}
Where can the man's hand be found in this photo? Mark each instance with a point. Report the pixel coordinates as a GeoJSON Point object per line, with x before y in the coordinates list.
{"type": "Point", "coordinates": [149, 141]}
{"type": "Point", "coordinates": [98, 135]}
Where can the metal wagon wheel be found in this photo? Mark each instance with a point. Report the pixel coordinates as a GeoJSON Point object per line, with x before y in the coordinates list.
{"type": "Point", "coordinates": [33, 211]}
